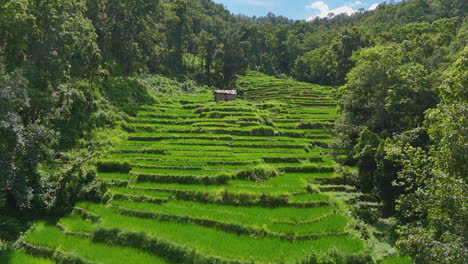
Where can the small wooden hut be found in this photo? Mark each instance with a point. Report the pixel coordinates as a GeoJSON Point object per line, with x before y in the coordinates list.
{"type": "Point", "coordinates": [225, 95]}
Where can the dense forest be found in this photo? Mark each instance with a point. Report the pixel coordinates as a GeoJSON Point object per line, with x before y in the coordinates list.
{"type": "Point", "coordinates": [401, 74]}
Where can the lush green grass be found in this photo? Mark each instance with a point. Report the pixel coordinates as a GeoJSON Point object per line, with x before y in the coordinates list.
{"type": "Point", "coordinates": [305, 198]}
{"type": "Point", "coordinates": [256, 217]}
{"type": "Point", "coordinates": [136, 192]}
{"type": "Point", "coordinates": [223, 244]}
{"type": "Point", "coordinates": [187, 138]}
{"type": "Point", "coordinates": [19, 257]}
{"type": "Point", "coordinates": [297, 180]}
{"type": "Point", "coordinates": [114, 176]}
{"type": "Point", "coordinates": [248, 188]}
{"type": "Point", "coordinates": [48, 236]}
{"type": "Point", "coordinates": [176, 172]}
{"type": "Point", "coordinates": [397, 260]}
{"type": "Point", "coordinates": [328, 225]}
{"type": "Point", "coordinates": [75, 224]}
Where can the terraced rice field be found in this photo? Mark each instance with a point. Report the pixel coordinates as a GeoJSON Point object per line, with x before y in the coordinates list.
{"type": "Point", "coordinates": [204, 182]}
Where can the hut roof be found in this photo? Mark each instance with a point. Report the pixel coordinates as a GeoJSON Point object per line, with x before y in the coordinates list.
{"type": "Point", "coordinates": [234, 92]}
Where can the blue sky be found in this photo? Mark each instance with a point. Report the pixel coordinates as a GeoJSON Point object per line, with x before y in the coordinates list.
{"type": "Point", "coordinates": [297, 9]}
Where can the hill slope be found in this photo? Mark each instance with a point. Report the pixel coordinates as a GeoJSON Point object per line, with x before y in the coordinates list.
{"type": "Point", "coordinates": [248, 181]}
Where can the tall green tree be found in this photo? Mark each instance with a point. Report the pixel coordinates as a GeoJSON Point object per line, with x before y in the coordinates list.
{"type": "Point", "coordinates": [23, 145]}
{"type": "Point", "coordinates": [234, 61]}
{"type": "Point", "coordinates": [431, 208]}
{"type": "Point", "coordinates": [178, 31]}
{"type": "Point", "coordinates": [338, 56]}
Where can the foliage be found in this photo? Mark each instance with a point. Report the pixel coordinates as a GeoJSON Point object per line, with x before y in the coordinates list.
{"type": "Point", "coordinates": [262, 131]}
{"type": "Point", "coordinates": [68, 79]}
{"type": "Point", "coordinates": [24, 144]}
{"type": "Point", "coordinates": [337, 58]}
{"type": "Point", "coordinates": [113, 166]}
{"type": "Point", "coordinates": [435, 211]}
{"type": "Point", "coordinates": [258, 173]}
{"type": "Point", "coordinates": [365, 150]}
{"type": "Point", "coordinates": [402, 121]}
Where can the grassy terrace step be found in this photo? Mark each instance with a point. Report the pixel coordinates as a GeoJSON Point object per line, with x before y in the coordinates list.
{"type": "Point", "coordinates": [210, 242]}
{"type": "Point", "coordinates": [235, 144]}
{"type": "Point", "coordinates": [19, 257]}
{"type": "Point", "coordinates": [213, 145]}
{"type": "Point", "coordinates": [122, 193]}
{"type": "Point", "coordinates": [183, 179]}
{"type": "Point", "coordinates": [337, 188]}
{"type": "Point", "coordinates": [187, 164]}
{"type": "Point", "coordinates": [160, 195]}
{"type": "Point", "coordinates": [188, 176]}
{"type": "Point", "coordinates": [226, 158]}
{"type": "Point", "coordinates": [280, 222]}
{"type": "Point", "coordinates": [241, 144]}
{"type": "Point", "coordinates": [51, 242]}
{"type": "Point", "coordinates": [305, 155]}
{"type": "Point", "coordinates": [173, 154]}
{"type": "Point", "coordinates": [207, 136]}
{"type": "Point", "coordinates": [159, 171]}
{"type": "Point", "coordinates": [73, 224]}
{"type": "Point", "coordinates": [242, 194]}
{"type": "Point", "coordinates": [311, 167]}
{"type": "Point", "coordinates": [190, 121]}
{"type": "Point", "coordinates": [170, 147]}
{"type": "Point", "coordinates": [140, 120]}
{"type": "Point", "coordinates": [114, 176]}
{"type": "Point", "coordinates": [295, 120]}
{"type": "Point", "coordinates": [303, 198]}
{"type": "Point", "coordinates": [228, 114]}
{"type": "Point", "coordinates": [268, 150]}
{"type": "Point", "coordinates": [161, 136]}
{"type": "Point", "coordinates": [152, 114]}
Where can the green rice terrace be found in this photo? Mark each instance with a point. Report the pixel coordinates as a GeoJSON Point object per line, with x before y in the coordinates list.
{"type": "Point", "coordinates": [247, 181]}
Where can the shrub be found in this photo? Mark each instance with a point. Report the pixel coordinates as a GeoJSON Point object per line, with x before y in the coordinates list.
{"type": "Point", "coordinates": [310, 125]}
{"type": "Point", "coordinates": [334, 256]}
{"type": "Point", "coordinates": [349, 176]}
{"type": "Point", "coordinates": [312, 189]}
{"type": "Point", "coordinates": [219, 179]}
{"type": "Point", "coordinates": [258, 173]}
{"type": "Point", "coordinates": [262, 131]}
{"type": "Point", "coordinates": [95, 191]}
{"type": "Point", "coordinates": [367, 214]}
{"type": "Point", "coordinates": [273, 201]}
{"type": "Point", "coordinates": [113, 166]}
{"type": "Point", "coordinates": [11, 228]}
{"type": "Point", "coordinates": [266, 120]}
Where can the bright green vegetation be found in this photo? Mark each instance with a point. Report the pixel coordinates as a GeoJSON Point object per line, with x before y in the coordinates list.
{"type": "Point", "coordinates": [50, 237]}
{"type": "Point", "coordinates": [207, 187]}
{"type": "Point", "coordinates": [229, 245]}
{"type": "Point", "coordinates": [329, 225]}
{"type": "Point", "coordinates": [19, 257]}
{"type": "Point", "coordinates": [80, 89]}
{"type": "Point", "coordinates": [75, 224]}
{"type": "Point", "coordinates": [397, 260]}
{"type": "Point", "coordinates": [300, 221]}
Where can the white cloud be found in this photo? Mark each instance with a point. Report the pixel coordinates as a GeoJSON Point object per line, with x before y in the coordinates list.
{"type": "Point", "coordinates": [355, 4]}
{"type": "Point", "coordinates": [374, 6]}
{"type": "Point", "coordinates": [324, 9]}
{"type": "Point", "coordinates": [320, 5]}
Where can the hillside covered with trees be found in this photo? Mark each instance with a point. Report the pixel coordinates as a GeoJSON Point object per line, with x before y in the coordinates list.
{"type": "Point", "coordinates": [76, 75]}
